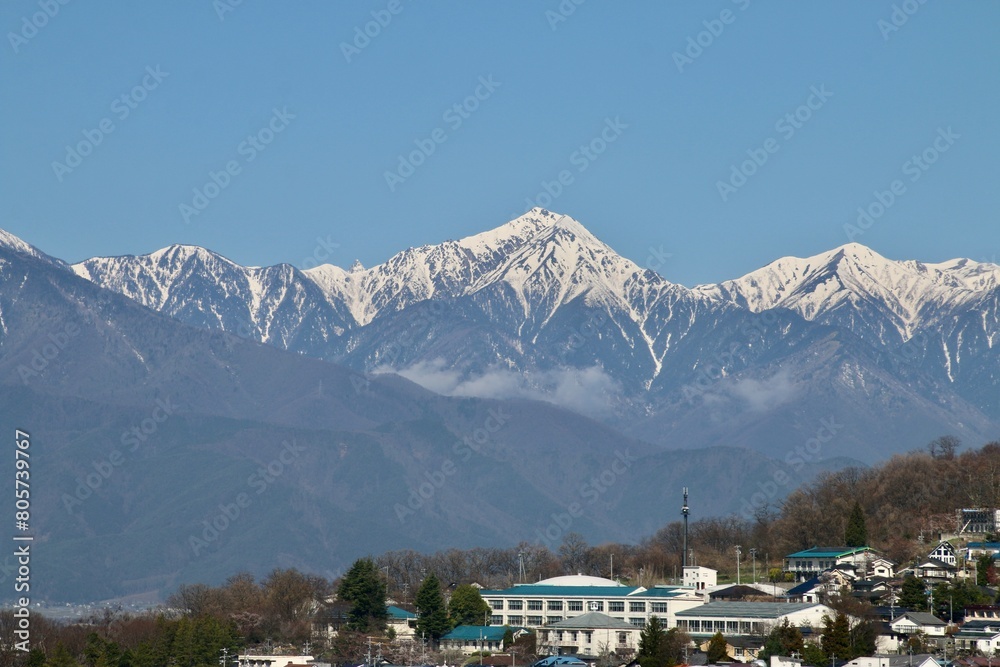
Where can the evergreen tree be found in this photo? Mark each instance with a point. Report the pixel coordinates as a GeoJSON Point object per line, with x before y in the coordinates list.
{"type": "Point", "coordinates": [659, 648]}
{"type": "Point", "coordinates": [61, 657]}
{"type": "Point", "coordinates": [983, 566]}
{"type": "Point", "coordinates": [836, 637]}
{"type": "Point", "coordinates": [467, 606]}
{"type": "Point", "coordinates": [508, 638]}
{"type": "Point", "coordinates": [717, 649]}
{"type": "Point", "coordinates": [652, 644]}
{"type": "Point", "coordinates": [913, 594]}
{"type": "Point", "coordinates": [363, 588]}
{"type": "Point", "coordinates": [784, 639]}
{"type": "Point", "coordinates": [863, 636]}
{"type": "Point", "coordinates": [813, 655]}
{"type": "Point", "coordinates": [856, 533]}
{"type": "Point", "coordinates": [432, 621]}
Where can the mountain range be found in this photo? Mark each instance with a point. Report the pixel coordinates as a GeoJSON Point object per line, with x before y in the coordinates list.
{"type": "Point", "coordinates": [191, 417]}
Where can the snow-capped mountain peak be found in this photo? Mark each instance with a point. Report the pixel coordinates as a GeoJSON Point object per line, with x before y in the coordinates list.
{"type": "Point", "coordinates": [910, 293]}
{"type": "Point", "coordinates": [15, 243]}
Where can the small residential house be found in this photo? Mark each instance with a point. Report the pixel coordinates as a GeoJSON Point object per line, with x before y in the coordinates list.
{"type": "Point", "coordinates": [881, 567]}
{"type": "Point", "coordinates": [274, 660]}
{"type": "Point", "coordinates": [935, 570]}
{"type": "Point", "coordinates": [588, 635]}
{"type": "Point", "coordinates": [808, 591]}
{"type": "Point", "coordinates": [741, 649]}
{"type": "Point", "coordinates": [475, 638]}
{"type": "Point", "coordinates": [944, 552]}
{"type": "Point", "coordinates": [913, 622]}
{"type": "Point", "coordinates": [904, 660]}
{"type": "Point", "coordinates": [402, 622]}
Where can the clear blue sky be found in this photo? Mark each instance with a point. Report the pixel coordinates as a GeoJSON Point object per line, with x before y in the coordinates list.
{"type": "Point", "coordinates": [654, 186]}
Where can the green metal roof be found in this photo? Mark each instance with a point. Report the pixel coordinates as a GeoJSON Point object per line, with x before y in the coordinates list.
{"type": "Point", "coordinates": [397, 612]}
{"type": "Point", "coordinates": [827, 552]}
{"type": "Point", "coordinates": [662, 592]}
{"type": "Point", "coordinates": [769, 610]}
{"type": "Point", "coordinates": [489, 633]}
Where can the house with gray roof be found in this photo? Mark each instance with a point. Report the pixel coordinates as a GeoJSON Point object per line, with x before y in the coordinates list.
{"type": "Point", "coordinates": [588, 635]}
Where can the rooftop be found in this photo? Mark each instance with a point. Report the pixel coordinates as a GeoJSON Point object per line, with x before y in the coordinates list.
{"type": "Point", "coordinates": [827, 552]}
{"type": "Point", "coordinates": [922, 618]}
{"type": "Point", "coordinates": [542, 589]}
{"type": "Point", "coordinates": [490, 633]}
{"type": "Point", "coordinates": [769, 610]}
{"type": "Point", "coordinates": [399, 612]}
{"type": "Point", "coordinates": [591, 621]}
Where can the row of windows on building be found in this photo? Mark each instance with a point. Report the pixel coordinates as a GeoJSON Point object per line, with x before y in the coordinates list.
{"type": "Point", "coordinates": [514, 620]}
{"type": "Point", "coordinates": [588, 637]}
{"type": "Point", "coordinates": [578, 605]}
{"type": "Point", "coordinates": [725, 627]}
{"type": "Point", "coordinates": [813, 564]}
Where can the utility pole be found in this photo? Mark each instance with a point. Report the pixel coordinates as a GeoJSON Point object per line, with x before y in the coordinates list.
{"type": "Point", "coordinates": [685, 510]}
{"type": "Point", "coordinates": [739, 552]}
{"type": "Point", "coordinates": [753, 556]}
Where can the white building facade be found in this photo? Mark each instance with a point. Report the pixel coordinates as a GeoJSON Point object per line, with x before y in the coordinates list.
{"type": "Point", "coordinates": [560, 598]}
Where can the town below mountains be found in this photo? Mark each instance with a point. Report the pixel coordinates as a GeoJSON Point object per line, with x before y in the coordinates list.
{"type": "Point", "coordinates": [189, 414]}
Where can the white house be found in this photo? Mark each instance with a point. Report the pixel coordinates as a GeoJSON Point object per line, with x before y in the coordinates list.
{"type": "Point", "coordinates": [881, 567]}
{"type": "Point", "coordinates": [935, 569]}
{"type": "Point", "coordinates": [945, 553]}
{"type": "Point", "coordinates": [905, 660]}
{"type": "Point", "coordinates": [913, 622]}
{"type": "Point", "coordinates": [588, 635]}
{"type": "Point", "coordinates": [274, 660]}
{"type": "Point", "coordinates": [402, 622]}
